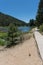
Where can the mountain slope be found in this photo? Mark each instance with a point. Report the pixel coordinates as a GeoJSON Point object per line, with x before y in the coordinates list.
{"type": "Point", "coordinates": [5, 20]}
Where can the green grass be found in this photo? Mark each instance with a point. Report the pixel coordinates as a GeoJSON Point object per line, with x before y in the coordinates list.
{"type": "Point", "coordinates": [2, 42]}
{"type": "Point", "coordinates": [3, 35]}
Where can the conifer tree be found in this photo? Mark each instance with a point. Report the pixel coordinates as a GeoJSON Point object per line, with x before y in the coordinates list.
{"type": "Point", "coordinates": [39, 17]}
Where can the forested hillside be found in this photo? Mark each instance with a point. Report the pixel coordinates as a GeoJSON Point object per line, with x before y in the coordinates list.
{"type": "Point", "coordinates": [5, 20]}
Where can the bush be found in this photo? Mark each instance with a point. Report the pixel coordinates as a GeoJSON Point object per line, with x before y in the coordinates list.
{"type": "Point", "coordinates": [3, 35]}
{"type": "Point", "coordinates": [2, 42]}
{"type": "Point", "coordinates": [41, 28]}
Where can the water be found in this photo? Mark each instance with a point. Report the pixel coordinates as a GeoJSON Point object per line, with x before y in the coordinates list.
{"type": "Point", "coordinates": [24, 29]}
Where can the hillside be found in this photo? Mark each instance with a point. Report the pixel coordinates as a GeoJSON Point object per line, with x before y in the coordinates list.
{"type": "Point", "coordinates": [5, 20]}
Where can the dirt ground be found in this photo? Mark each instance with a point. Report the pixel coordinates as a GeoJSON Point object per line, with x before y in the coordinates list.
{"type": "Point", "coordinates": [23, 54]}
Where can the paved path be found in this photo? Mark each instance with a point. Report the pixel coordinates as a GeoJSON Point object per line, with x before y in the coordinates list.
{"type": "Point", "coordinates": [39, 40]}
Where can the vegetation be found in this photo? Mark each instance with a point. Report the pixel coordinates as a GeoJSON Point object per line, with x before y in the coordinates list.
{"type": "Point", "coordinates": [2, 42]}
{"type": "Point", "coordinates": [3, 35]}
{"type": "Point", "coordinates": [39, 17]}
{"type": "Point", "coordinates": [41, 28]}
{"type": "Point", "coordinates": [5, 20]}
{"type": "Point", "coordinates": [12, 35]}
{"type": "Point", "coordinates": [31, 23]}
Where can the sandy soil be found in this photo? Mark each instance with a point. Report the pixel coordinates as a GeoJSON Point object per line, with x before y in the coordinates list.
{"type": "Point", "coordinates": [23, 54]}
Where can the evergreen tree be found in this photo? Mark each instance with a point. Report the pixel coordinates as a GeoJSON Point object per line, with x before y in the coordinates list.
{"type": "Point", "coordinates": [39, 17]}
{"type": "Point", "coordinates": [12, 34]}
{"type": "Point", "coordinates": [32, 22]}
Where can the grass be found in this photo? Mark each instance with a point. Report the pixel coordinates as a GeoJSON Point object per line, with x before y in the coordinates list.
{"type": "Point", "coordinates": [3, 35]}
{"type": "Point", "coordinates": [2, 42]}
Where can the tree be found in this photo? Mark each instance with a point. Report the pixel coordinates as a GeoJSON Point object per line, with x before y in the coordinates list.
{"type": "Point", "coordinates": [39, 17]}
{"type": "Point", "coordinates": [32, 22]}
{"type": "Point", "coordinates": [12, 33]}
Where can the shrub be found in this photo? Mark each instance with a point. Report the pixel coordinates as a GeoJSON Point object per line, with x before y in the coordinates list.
{"type": "Point", "coordinates": [3, 35]}
{"type": "Point", "coordinates": [41, 28]}
{"type": "Point", "coordinates": [2, 42]}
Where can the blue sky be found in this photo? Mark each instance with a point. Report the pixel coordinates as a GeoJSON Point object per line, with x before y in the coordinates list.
{"type": "Point", "coordinates": [21, 9]}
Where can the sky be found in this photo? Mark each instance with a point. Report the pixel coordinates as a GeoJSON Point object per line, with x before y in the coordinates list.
{"type": "Point", "coordinates": [21, 9]}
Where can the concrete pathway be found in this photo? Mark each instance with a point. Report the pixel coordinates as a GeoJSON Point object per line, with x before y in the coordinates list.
{"type": "Point", "coordinates": [39, 40]}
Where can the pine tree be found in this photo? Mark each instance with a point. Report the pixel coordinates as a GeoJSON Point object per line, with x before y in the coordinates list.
{"type": "Point", "coordinates": [12, 34]}
{"type": "Point", "coordinates": [39, 17]}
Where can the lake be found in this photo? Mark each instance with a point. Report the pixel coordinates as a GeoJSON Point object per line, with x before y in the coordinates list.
{"type": "Point", "coordinates": [24, 29]}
